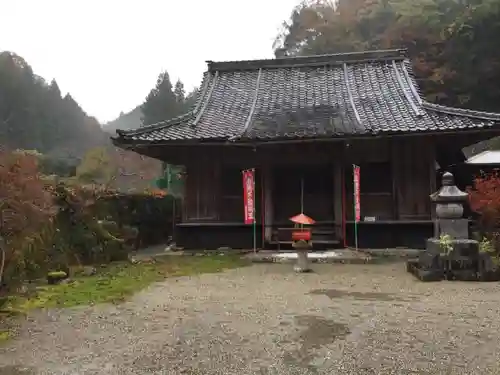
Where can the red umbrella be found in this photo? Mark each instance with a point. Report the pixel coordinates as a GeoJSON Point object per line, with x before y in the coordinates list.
{"type": "Point", "coordinates": [302, 219]}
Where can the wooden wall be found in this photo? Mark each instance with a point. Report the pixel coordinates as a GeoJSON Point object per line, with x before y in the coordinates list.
{"type": "Point", "coordinates": [376, 185]}
{"type": "Point", "coordinates": [414, 177]}
{"type": "Point", "coordinates": [201, 195]}
{"type": "Point", "coordinates": [397, 176]}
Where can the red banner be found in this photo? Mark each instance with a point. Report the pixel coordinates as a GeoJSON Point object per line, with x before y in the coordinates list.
{"type": "Point", "coordinates": [357, 205]}
{"type": "Point", "coordinates": [249, 196]}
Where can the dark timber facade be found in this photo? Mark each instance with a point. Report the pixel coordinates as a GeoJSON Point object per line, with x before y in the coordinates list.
{"type": "Point", "coordinates": [302, 123]}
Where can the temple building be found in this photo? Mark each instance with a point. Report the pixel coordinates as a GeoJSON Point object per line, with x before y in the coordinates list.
{"type": "Point", "coordinates": [302, 123]}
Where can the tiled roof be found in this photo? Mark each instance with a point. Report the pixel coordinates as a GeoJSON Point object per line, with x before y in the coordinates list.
{"type": "Point", "coordinates": [370, 93]}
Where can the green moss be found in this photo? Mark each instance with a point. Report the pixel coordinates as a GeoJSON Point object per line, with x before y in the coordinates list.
{"type": "Point", "coordinates": [117, 281]}
{"type": "Point", "coordinates": [4, 335]}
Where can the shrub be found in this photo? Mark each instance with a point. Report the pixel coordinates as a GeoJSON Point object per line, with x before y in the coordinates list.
{"type": "Point", "coordinates": [50, 224]}
{"type": "Point", "coordinates": [83, 236]}
{"type": "Point", "coordinates": [54, 277]}
{"type": "Point", "coordinates": [26, 213]}
{"type": "Point", "coordinates": [484, 197]}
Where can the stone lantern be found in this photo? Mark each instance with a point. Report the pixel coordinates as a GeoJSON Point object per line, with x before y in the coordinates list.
{"type": "Point", "coordinates": [449, 201]}
{"type": "Point", "coordinates": [450, 254]}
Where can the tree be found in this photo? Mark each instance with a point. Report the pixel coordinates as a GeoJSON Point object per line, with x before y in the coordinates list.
{"type": "Point", "coordinates": [34, 115]}
{"type": "Point", "coordinates": [26, 211]}
{"type": "Point", "coordinates": [180, 93]}
{"type": "Point", "coordinates": [114, 168]}
{"type": "Point", "coordinates": [452, 43]}
{"type": "Point", "coordinates": [96, 168]}
{"type": "Point", "coordinates": [161, 103]}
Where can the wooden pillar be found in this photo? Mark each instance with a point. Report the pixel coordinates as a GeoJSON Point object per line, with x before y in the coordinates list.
{"type": "Point", "coordinates": [395, 178]}
{"type": "Point", "coordinates": [268, 202]}
{"type": "Point", "coordinates": [432, 165]}
{"type": "Point", "coordinates": [432, 183]}
{"type": "Point", "coordinates": [338, 170]}
{"type": "Point", "coordinates": [217, 189]}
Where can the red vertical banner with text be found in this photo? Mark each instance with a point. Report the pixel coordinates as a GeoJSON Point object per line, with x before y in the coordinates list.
{"type": "Point", "coordinates": [357, 205]}
{"type": "Point", "coordinates": [249, 196]}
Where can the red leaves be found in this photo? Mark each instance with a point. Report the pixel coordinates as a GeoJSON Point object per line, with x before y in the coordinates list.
{"type": "Point", "coordinates": [25, 204]}
{"type": "Point", "coordinates": [484, 198]}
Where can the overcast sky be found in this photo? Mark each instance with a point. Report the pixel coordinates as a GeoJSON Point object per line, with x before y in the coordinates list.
{"type": "Point", "coordinates": [108, 53]}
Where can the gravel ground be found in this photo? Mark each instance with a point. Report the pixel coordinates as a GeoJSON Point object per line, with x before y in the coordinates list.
{"type": "Point", "coordinates": [264, 319]}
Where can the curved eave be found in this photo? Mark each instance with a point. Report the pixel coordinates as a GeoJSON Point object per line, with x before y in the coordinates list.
{"type": "Point", "coordinates": [152, 135]}
{"type": "Point", "coordinates": [157, 126]}
{"type": "Point", "coordinates": [461, 112]}
{"type": "Point", "coordinates": [270, 139]}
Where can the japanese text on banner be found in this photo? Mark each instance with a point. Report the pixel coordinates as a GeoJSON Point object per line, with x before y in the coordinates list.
{"type": "Point", "coordinates": [249, 196]}
{"type": "Point", "coordinates": [357, 205]}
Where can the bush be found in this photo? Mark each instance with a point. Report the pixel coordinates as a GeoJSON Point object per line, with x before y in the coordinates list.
{"type": "Point", "coordinates": [26, 214]}
{"type": "Point", "coordinates": [83, 236]}
{"type": "Point", "coordinates": [153, 217]}
{"type": "Point", "coordinates": [50, 225]}
{"type": "Point", "coordinates": [484, 198]}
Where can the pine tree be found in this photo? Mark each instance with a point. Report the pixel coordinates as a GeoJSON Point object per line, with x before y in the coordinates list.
{"type": "Point", "coordinates": [180, 93]}
{"type": "Point", "coordinates": [161, 103]}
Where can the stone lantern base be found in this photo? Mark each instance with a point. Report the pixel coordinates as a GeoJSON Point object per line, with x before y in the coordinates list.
{"type": "Point", "coordinates": [302, 264]}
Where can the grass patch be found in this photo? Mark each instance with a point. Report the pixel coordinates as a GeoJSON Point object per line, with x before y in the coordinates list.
{"type": "Point", "coordinates": [4, 335]}
{"type": "Point", "coordinates": [115, 282]}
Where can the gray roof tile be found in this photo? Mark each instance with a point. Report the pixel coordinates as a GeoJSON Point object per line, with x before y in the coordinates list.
{"type": "Point", "coordinates": [316, 96]}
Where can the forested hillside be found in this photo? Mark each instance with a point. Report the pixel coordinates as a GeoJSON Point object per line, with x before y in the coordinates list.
{"type": "Point", "coordinates": [34, 115]}
{"type": "Point", "coordinates": [129, 120]}
{"type": "Point", "coordinates": [452, 43]}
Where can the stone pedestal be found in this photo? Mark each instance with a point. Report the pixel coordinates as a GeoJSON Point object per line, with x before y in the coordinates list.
{"type": "Point", "coordinates": [302, 248]}
{"type": "Point", "coordinates": [302, 264]}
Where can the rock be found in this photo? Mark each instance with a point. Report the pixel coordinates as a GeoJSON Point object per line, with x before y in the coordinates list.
{"type": "Point", "coordinates": [89, 271]}
{"type": "Point", "coordinates": [148, 260]}
{"type": "Point", "coordinates": [23, 289]}
{"type": "Point", "coordinates": [171, 247]}
{"type": "Point", "coordinates": [67, 281]}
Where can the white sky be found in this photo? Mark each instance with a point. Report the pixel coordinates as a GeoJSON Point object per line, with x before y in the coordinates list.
{"type": "Point", "coordinates": [108, 53]}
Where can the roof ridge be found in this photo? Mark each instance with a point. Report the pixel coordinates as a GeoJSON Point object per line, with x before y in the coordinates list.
{"type": "Point", "coordinates": [205, 97]}
{"type": "Point", "coordinates": [312, 60]}
{"type": "Point", "coordinates": [489, 116]}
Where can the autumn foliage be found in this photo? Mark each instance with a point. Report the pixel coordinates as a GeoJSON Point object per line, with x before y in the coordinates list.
{"type": "Point", "coordinates": [484, 198]}
{"type": "Point", "coordinates": [50, 223]}
{"type": "Point", "coordinates": [26, 209]}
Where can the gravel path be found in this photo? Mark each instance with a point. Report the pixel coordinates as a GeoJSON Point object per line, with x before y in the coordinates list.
{"type": "Point", "coordinates": [264, 319]}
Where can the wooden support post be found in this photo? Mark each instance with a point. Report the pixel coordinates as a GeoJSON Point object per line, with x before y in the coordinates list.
{"type": "Point", "coordinates": [268, 202]}
{"type": "Point", "coordinates": [395, 160]}
{"type": "Point", "coordinates": [338, 170]}
{"type": "Point", "coordinates": [432, 182]}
